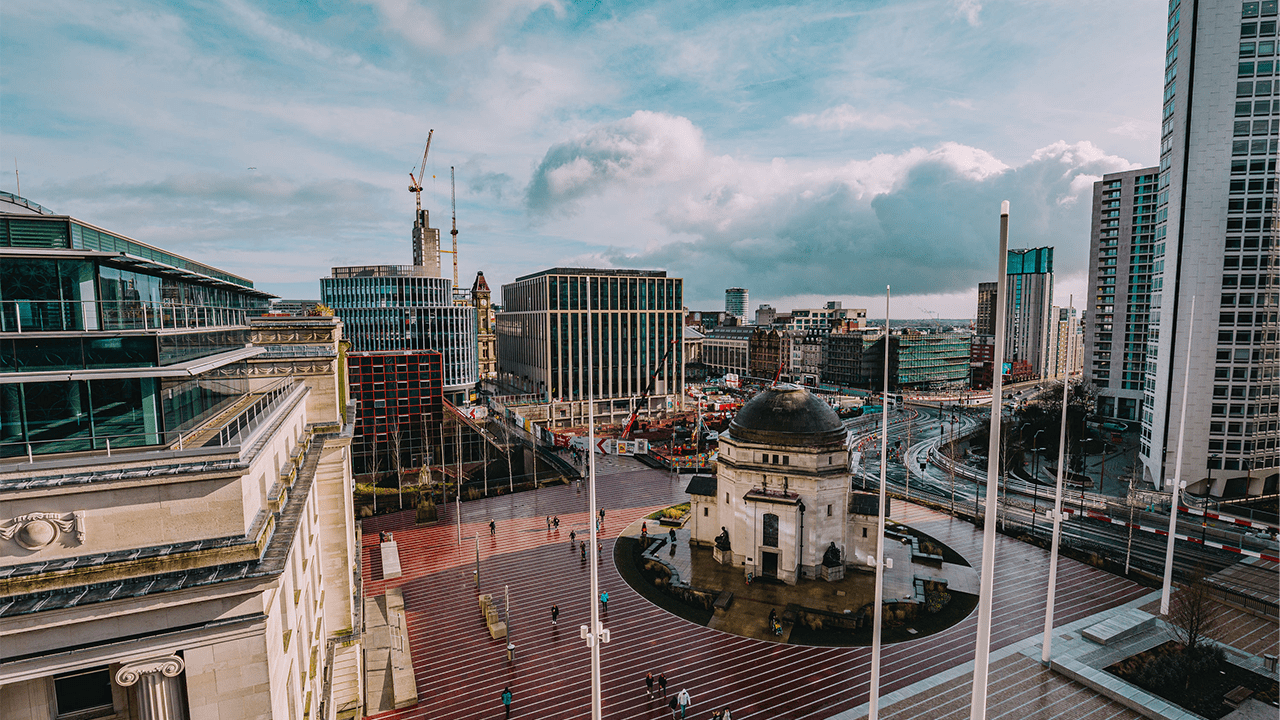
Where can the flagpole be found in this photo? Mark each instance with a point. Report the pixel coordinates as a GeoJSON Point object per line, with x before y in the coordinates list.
{"type": "Point", "coordinates": [982, 650]}
{"type": "Point", "coordinates": [1176, 490]}
{"type": "Point", "coordinates": [1047, 644]}
{"type": "Point", "coordinates": [595, 634]}
{"type": "Point", "coordinates": [877, 599]}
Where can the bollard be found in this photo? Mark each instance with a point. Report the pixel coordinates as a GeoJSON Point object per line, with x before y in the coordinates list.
{"type": "Point", "coordinates": [511, 652]}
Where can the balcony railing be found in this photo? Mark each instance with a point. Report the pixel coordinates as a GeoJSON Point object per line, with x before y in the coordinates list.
{"type": "Point", "coordinates": [19, 316]}
{"type": "Point", "coordinates": [239, 421]}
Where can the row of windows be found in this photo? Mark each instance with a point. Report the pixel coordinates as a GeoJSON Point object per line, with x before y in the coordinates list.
{"type": "Point", "coordinates": [1266, 8]}
{"type": "Point", "coordinates": [1254, 29]}
{"type": "Point", "coordinates": [1257, 127]}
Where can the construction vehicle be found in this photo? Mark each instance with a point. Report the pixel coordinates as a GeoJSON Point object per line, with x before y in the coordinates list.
{"type": "Point", "coordinates": [631, 422]}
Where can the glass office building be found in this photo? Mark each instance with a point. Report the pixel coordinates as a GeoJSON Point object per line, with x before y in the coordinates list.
{"type": "Point", "coordinates": [394, 308]}
{"type": "Point", "coordinates": [108, 342]}
{"type": "Point", "coordinates": [636, 321]}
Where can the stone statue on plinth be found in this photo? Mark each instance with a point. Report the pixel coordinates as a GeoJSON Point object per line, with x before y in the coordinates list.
{"type": "Point", "coordinates": [832, 567]}
{"type": "Point", "coordinates": [831, 558]}
{"type": "Point", "coordinates": [722, 552]}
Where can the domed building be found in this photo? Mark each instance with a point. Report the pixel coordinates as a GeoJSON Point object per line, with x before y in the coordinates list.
{"type": "Point", "coordinates": [779, 504]}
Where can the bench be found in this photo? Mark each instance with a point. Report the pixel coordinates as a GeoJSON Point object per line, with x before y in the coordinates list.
{"type": "Point", "coordinates": [724, 600]}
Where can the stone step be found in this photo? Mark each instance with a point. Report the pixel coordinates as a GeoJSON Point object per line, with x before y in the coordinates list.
{"type": "Point", "coordinates": [1118, 627]}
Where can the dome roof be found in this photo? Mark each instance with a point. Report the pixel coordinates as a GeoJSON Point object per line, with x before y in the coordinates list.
{"type": "Point", "coordinates": [787, 414]}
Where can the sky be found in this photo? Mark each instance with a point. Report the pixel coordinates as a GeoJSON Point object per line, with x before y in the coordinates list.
{"type": "Point", "coordinates": [807, 151]}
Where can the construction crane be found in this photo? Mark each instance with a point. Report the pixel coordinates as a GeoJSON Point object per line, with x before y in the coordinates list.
{"type": "Point", "coordinates": [631, 422]}
{"type": "Point", "coordinates": [937, 324]}
{"type": "Point", "coordinates": [453, 201]}
{"type": "Point", "coordinates": [415, 187]}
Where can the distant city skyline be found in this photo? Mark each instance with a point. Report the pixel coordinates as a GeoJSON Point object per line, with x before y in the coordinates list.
{"type": "Point", "coordinates": [802, 151]}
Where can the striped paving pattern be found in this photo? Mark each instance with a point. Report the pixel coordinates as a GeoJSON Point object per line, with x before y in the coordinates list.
{"type": "Point", "coordinates": [460, 671]}
{"type": "Point", "coordinates": [1019, 688]}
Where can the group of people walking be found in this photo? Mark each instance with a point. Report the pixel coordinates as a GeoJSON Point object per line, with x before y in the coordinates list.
{"type": "Point", "coordinates": [678, 703]}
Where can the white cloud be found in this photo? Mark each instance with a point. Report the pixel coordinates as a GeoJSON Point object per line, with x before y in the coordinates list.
{"type": "Point", "coordinates": [456, 25]}
{"type": "Point", "coordinates": [645, 147]}
{"type": "Point", "coordinates": [846, 117]}
{"type": "Point", "coordinates": [969, 10]}
{"type": "Point", "coordinates": [923, 219]}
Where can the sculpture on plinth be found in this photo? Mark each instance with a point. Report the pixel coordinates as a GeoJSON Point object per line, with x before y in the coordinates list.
{"type": "Point", "coordinates": [722, 540]}
{"type": "Point", "coordinates": [831, 558]}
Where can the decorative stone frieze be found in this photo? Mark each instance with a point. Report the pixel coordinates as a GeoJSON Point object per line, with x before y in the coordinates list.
{"type": "Point", "coordinates": [34, 531]}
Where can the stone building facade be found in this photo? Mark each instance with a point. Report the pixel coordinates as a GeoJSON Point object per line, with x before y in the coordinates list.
{"type": "Point", "coordinates": [782, 488]}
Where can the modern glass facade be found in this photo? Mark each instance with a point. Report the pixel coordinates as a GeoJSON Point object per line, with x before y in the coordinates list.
{"type": "Point", "coordinates": [636, 317]}
{"type": "Point", "coordinates": [1029, 288]}
{"type": "Point", "coordinates": [395, 308]}
{"type": "Point", "coordinates": [93, 339]}
{"type": "Point", "coordinates": [920, 361]}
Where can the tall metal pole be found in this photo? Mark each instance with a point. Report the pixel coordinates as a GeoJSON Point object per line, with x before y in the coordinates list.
{"type": "Point", "coordinates": [595, 634]}
{"type": "Point", "coordinates": [1047, 644]}
{"type": "Point", "coordinates": [982, 652]}
{"type": "Point", "coordinates": [457, 452]}
{"type": "Point", "coordinates": [877, 601]}
{"type": "Point", "coordinates": [906, 483]}
{"type": "Point", "coordinates": [1176, 491]}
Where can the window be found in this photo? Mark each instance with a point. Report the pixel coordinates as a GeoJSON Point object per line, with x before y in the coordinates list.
{"type": "Point", "coordinates": [864, 532]}
{"type": "Point", "coordinates": [828, 511]}
{"type": "Point", "coordinates": [84, 694]}
{"type": "Point", "coordinates": [770, 534]}
{"type": "Point", "coordinates": [786, 460]}
{"type": "Point", "coordinates": [706, 512]}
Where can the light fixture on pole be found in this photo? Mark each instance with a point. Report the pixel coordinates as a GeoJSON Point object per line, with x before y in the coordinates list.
{"type": "Point", "coordinates": [594, 634]}
{"type": "Point", "coordinates": [1055, 515]}
{"type": "Point", "coordinates": [1178, 484]}
{"type": "Point", "coordinates": [982, 651]}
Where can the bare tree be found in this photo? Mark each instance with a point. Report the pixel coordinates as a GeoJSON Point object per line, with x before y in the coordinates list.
{"type": "Point", "coordinates": [393, 446]}
{"type": "Point", "coordinates": [1194, 614]}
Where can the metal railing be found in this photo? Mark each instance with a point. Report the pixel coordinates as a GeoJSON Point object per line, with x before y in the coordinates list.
{"type": "Point", "coordinates": [249, 418]}
{"type": "Point", "coordinates": [20, 316]}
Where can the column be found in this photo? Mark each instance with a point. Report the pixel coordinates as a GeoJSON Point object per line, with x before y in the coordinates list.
{"type": "Point", "coordinates": [158, 695]}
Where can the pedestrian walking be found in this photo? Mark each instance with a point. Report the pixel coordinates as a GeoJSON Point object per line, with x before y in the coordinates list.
{"type": "Point", "coordinates": [685, 701]}
{"type": "Point", "coordinates": [675, 707]}
{"type": "Point", "coordinates": [648, 684]}
{"type": "Point", "coordinates": [604, 600]}
{"type": "Point", "coordinates": [506, 699]}
{"type": "Point", "coordinates": [599, 548]}
{"type": "Point", "coordinates": [548, 523]}
{"type": "Point", "coordinates": [601, 514]}
{"type": "Point", "coordinates": [724, 714]}
{"type": "Point", "coordinates": [493, 528]}
{"type": "Point", "coordinates": [672, 534]}
{"type": "Point", "coordinates": [555, 521]}
{"type": "Point", "coordinates": [573, 538]}
{"type": "Point", "coordinates": [555, 613]}
{"type": "Point", "coordinates": [582, 550]}
{"type": "Point", "coordinates": [662, 683]}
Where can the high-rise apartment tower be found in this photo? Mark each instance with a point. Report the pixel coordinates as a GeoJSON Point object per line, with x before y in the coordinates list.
{"type": "Point", "coordinates": [1121, 242]}
{"type": "Point", "coordinates": [1215, 242]}
{"type": "Point", "coordinates": [735, 303]}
